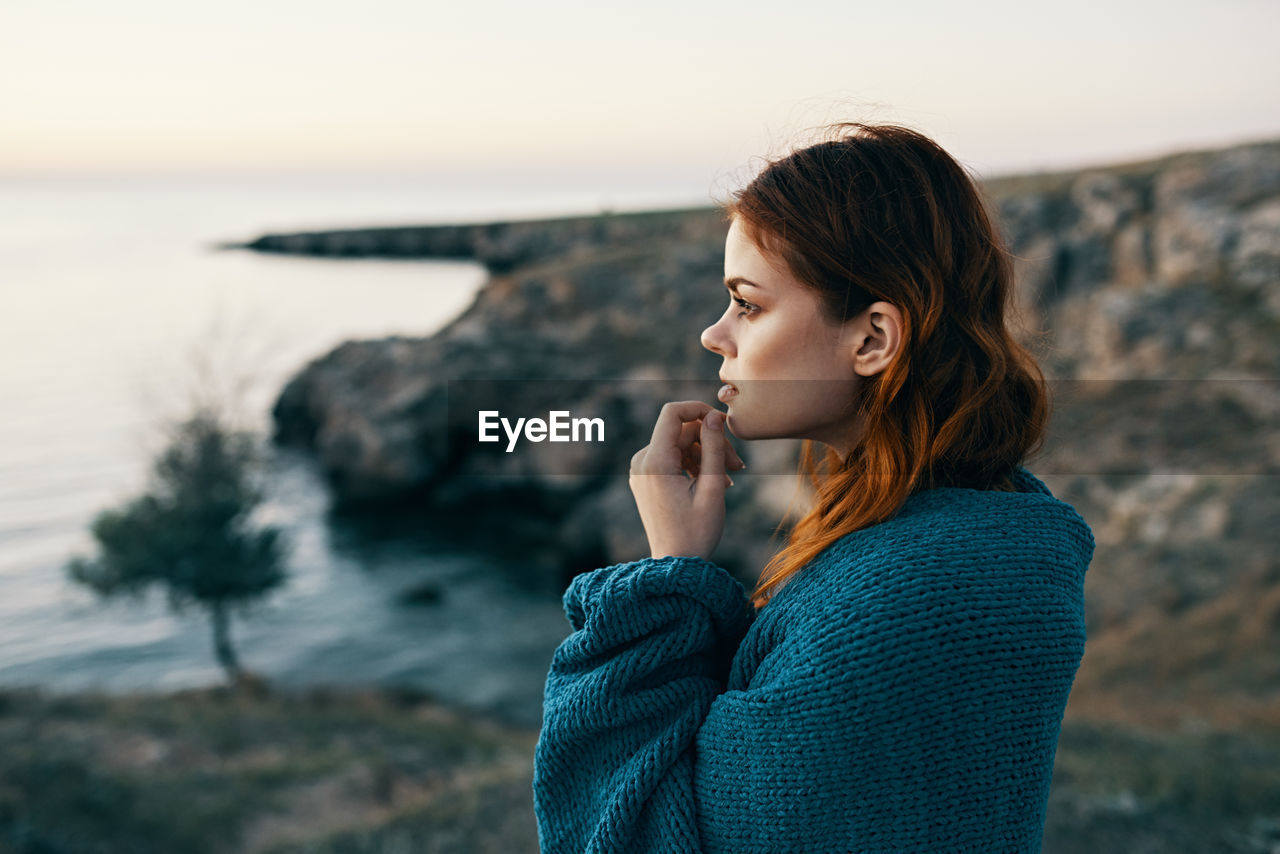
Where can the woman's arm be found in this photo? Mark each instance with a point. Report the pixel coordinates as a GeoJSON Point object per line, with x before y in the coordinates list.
{"type": "Point", "coordinates": [651, 648]}
{"type": "Point", "coordinates": [626, 695]}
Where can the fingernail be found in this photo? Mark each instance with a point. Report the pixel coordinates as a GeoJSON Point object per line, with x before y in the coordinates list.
{"type": "Point", "coordinates": [712, 420]}
{"type": "Point", "coordinates": [729, 479]}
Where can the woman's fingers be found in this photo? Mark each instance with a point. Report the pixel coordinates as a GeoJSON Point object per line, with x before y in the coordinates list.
{"type": "Point", "coordinates": [691, 450]}
{"type": "Point", "coordinates": [669, 427]}
{"type": "Point", "coordinates": [734, 462]}
{"type": "Point", "coordinates": [690, 447]}
{"type": "Point", "coordinates": [712, 441]}
{"type": "Point", "coordinates": [676, 438]}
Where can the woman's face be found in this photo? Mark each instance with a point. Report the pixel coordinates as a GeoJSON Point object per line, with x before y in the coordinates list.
{"type": "Point", "coordinates": [790, 372]}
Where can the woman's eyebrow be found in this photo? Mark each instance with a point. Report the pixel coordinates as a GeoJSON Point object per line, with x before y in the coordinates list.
{"type": "Point", "coordinates": [732, 283]}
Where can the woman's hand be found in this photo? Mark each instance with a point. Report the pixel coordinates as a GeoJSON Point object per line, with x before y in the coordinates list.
{"type": "Point", "coordinates": [679, 479]}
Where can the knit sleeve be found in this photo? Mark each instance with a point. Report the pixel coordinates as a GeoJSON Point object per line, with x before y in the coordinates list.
{"type": "Point", "coordinates": [922, 715]}
{"type": "Point", "coordinates": [625, 697]}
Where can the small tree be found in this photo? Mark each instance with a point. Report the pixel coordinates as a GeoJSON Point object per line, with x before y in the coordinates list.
{"type": "Point", "coordinates": [189, 534]}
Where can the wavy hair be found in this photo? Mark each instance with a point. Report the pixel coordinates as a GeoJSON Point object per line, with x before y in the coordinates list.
{"type": "Point", "coordinates": [881, 212]}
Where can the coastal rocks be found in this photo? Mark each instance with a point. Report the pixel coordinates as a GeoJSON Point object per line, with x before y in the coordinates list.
{"type": "Point", "coordinates": [1165, 270]}
{"type": "Point", "coordinates": [1254, 262]}
{"type": "Point", "coordinates": [610, 331]}
{"type": "Point", "coordinates": [362, 409]}
{"type": "Point", "coordinates": [500, 246]}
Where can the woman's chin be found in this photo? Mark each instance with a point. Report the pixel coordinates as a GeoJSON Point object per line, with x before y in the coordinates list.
{"type": "Point", "coordinates": [738, 427]}
{"type": "Point", "coordinates": [742, 427]}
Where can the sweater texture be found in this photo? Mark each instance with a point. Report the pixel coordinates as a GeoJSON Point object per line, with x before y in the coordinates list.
{"type": "Point", "coordinates": [903, 692]}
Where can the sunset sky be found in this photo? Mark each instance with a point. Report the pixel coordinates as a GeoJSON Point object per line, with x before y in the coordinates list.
{"type": "Point", "coordinates": [679, 91]}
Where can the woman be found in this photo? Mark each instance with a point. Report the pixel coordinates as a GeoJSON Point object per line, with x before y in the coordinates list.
{"type": "Point", "coordinates": [897, 679]}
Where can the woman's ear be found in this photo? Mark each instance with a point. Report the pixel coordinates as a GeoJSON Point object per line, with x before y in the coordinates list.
{"type": "Point", "coordinates": [878, 339]}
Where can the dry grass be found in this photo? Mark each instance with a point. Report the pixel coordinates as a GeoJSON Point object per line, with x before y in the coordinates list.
{"type": "Point", "coordinates": [218, 771]}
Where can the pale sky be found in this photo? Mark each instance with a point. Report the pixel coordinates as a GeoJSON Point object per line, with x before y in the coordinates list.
{"type": "Point", "coordinates": [661, 90]}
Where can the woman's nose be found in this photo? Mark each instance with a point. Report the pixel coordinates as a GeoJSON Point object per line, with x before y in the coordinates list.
{"type": "Point", "coordinates": [714, 339]}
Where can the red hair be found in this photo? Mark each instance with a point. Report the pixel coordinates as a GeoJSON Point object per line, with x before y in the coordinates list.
{"type": "Point", "coordinates": [881, 212]}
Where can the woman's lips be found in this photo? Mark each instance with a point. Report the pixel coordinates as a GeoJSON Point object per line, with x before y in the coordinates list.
{"type": "Point", "coordinates": [726, 393]}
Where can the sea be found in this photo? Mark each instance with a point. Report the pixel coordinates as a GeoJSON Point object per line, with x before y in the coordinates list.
{"type": "Point", "coordinates": [119, 307]}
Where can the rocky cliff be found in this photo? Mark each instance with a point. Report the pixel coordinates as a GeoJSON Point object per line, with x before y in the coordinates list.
{"type": "Point", "coordinates": [607, 327]}
{"type": "Point", "coordinates": [1160, 283]}
{"type": "Point", "coordinates": [1150, 291]}
{"type": "Point", "coordinates": [500, 246]}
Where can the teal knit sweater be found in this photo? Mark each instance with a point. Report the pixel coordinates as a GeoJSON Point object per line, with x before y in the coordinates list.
{"type": "Point", "coordinates": [903, 692]}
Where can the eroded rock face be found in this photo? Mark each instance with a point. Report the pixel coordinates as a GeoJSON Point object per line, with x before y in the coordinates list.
{"type": "Point", "coordinates": [609, 329]}
{"type": "Point", "coordinates": [1159, 270]}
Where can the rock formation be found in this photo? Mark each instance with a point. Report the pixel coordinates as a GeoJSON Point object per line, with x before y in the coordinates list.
{"type": "Point", "coordinates": [607, 326]}
{"type": "Point", "coordinates": [1150, 291]}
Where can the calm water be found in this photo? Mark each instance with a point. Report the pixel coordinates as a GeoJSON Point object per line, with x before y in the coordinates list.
{"type": "Point", "coordinates": [113, 306]}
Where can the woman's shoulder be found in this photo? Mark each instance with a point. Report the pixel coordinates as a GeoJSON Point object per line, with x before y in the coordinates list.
{"type": "Point", "coordinates": [953, 542]}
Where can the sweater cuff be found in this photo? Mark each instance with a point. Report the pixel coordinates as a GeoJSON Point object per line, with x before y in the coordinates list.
{"type": "Point", "coordinates": [621, 588]}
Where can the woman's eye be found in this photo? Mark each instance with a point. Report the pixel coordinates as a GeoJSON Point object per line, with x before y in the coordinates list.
{"type": "Point", "coordinates": [749, 308]}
